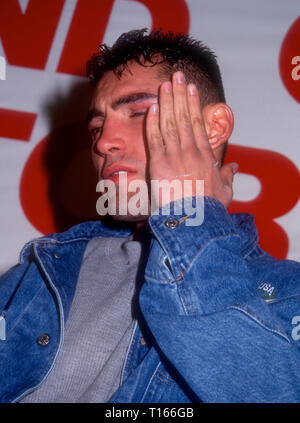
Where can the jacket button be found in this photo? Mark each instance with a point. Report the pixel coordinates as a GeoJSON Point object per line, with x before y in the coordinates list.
{"type": "Point", "coordinates": [171, 223]}
{"type": "Point", "coordinates": [43, 340]}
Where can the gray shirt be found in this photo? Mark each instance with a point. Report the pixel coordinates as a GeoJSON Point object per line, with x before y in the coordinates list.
{"type": "Point", "coordinates": [99, 327]}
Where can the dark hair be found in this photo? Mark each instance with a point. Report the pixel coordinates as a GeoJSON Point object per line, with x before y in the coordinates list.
{"type": "Point", "coordinates": [172, 51]}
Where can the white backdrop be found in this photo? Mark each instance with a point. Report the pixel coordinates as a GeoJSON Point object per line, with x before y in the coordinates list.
{"type": "Point", "coordinates": [247, 37]}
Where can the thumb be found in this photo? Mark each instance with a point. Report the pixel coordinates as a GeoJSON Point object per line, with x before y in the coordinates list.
{"type": "Point", "coordinates": [228, 171]}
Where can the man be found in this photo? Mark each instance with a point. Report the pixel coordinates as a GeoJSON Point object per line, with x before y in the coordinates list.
{"type": "Point", "coordinates": [154, 308]}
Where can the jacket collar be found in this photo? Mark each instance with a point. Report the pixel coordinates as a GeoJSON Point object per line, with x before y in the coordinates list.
{"type": "Point", "coordinates": [84, 231]}
{"type": "Point", "coordinates": [243, 222]}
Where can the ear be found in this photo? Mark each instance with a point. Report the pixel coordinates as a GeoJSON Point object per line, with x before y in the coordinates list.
{"type": "Point", "coordinates": [219, 122]}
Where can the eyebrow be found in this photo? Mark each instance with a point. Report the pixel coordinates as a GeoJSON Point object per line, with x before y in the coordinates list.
{"type": "Point", "coordinates": [132, 98]}
{"type": "Point", "coordinates": [126, 99]}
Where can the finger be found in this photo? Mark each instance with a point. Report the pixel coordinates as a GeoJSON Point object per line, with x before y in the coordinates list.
{"type": "Point", "coordinates": [227, 173]}
{"type": "Point", "coordinates": [167, 122]}
{"type": "Point", "coordinates": [181, 110]}
{"type": "Point", "coordinates": [198, 124]}
{"type": "Point", "coordinates": [153, 134]}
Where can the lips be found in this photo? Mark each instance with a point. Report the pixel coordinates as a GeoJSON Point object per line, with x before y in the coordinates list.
{"type": "Point", "coordinates": [114, 171]}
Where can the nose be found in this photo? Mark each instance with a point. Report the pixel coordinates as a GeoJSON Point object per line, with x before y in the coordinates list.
{"type": "Point", "coordinates": [111, 140]}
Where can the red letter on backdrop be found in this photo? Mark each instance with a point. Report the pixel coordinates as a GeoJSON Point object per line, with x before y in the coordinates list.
{"type": "Point", "coordinates": [89, 24]}
{"type": "Point", "coordinates": [86, 32]}
{"type": "Point", "coordinates": [27, 38]}
{"type": "Point", "coordinates": [16, 125]}
{"type": "Point", "coordinates": [280, 190]}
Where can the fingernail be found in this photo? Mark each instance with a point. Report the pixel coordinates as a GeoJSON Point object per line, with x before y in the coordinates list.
{"type": "Point", "coordinates": [179, 77]}
{"type": "Point", "coordinates": [192, 89]}
{"type": "Point", "coordinates": [235, 167]}
{"type": "Point", "coordinates": [155, 108]}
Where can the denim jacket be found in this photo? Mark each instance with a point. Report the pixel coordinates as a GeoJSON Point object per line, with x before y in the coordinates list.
{"type": "Point", "coordinates": [219, 316]}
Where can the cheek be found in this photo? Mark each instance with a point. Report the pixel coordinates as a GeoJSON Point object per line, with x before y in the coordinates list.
{"type": "Point", "coordinates": [139, 151]}
{"type": "Point", "coordinates": [137, 142]}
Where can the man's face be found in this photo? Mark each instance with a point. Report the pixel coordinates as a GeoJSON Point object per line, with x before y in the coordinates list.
{"type": "Point", "coordinates": [117, 124]}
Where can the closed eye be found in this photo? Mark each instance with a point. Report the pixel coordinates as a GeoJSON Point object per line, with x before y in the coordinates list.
{"type": "Point", "coordinates": [136, 114]}
{"type": "Point", "coordinates": [95, 132]}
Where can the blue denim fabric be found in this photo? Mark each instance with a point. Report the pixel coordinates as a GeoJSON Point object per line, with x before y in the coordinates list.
{"type": "Point", "coordinates": [215, 323]}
